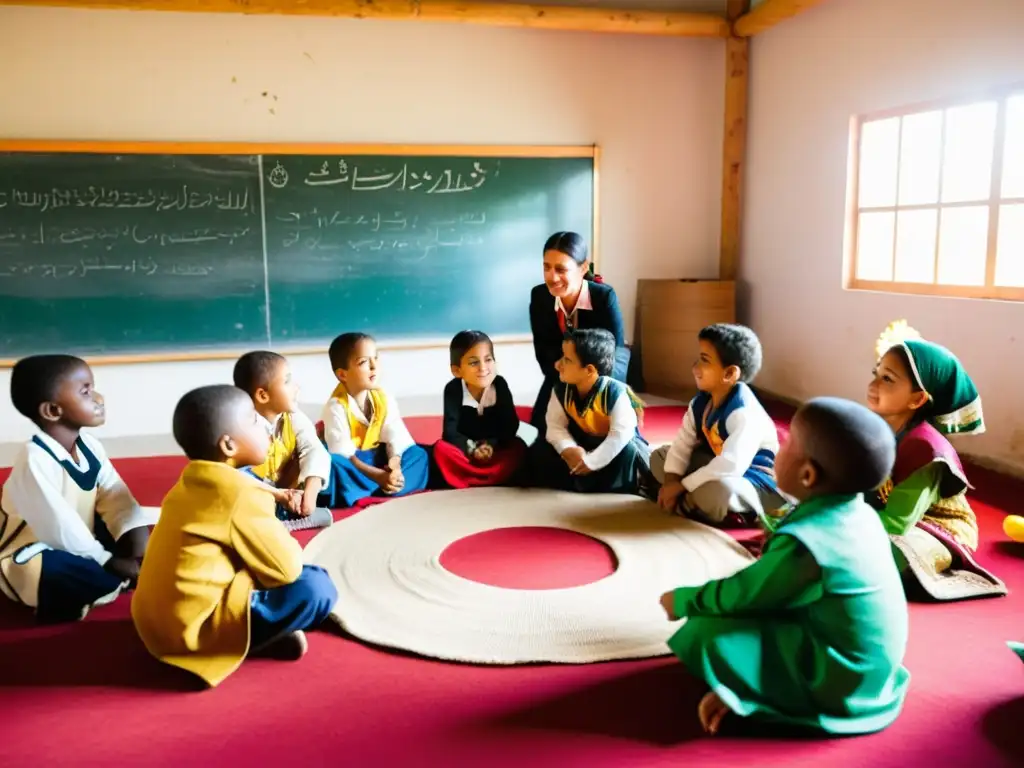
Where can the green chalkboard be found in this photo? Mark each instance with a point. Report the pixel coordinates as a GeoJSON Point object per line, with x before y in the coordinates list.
{"type": "Point", "coordinates": [109, 254]}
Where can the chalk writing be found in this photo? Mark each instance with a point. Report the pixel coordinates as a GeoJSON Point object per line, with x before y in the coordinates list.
{"type": "Point", "coordinates": [84, 268]}
{"type": "Point", "coordinates": [373, 179]}
{"type": "Point", "coordinates": [179, 199]}
{"type": "Point", "coordinates": [109, 237]}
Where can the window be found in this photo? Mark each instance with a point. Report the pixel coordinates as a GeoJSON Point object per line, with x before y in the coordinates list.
{"type": "Point", "coordinates": [937, 200]}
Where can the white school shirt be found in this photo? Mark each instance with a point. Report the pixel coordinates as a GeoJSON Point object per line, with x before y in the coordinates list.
{"type": "Point", "coordinates": [622, 429]}
{"type": "Point", "coordinates": [314, 460]}
{"type": "Point", "coordinates": [393, 433]}
{"type": "Point", "coordinates": [57, 511]}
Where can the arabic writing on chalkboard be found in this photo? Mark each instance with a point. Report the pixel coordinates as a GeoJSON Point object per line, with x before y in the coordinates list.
{"type": "Point", "coordinates": [402, 179]}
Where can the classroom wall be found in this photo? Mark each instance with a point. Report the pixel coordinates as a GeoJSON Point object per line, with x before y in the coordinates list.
{"type": "Point", "coordinates": [809, 76]}
{"type": "Point", "coordinates": [654, 105]}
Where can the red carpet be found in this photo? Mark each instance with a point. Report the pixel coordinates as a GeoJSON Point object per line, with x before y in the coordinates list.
{"type": "Point", "coordinates": [88, 694]}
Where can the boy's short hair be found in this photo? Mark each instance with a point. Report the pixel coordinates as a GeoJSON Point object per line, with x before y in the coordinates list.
{"type": "Point", "coordinates": [36, 379]}
{"type": "Point", "coordinates": [254, 370]}
{"type": "Point", "coordinates": [854, 448]}
{"type": "Point", "coordinates": [594, 346]}
{"type": "Point", "coordinates": [464, 341]}
{"type": "Point", "coordinates": [204, 415]}
{"type": "Point", "coordinates": [736, 345]}
{"type": "Point", "coordinates": [341, 348]}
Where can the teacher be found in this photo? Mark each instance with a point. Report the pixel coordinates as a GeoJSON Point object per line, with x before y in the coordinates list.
{"type": "Point", "coordinates": [570, 298]}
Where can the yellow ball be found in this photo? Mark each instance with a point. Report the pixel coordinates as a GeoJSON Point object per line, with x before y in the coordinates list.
{"type": "Point", "coordinates": [1013, 526]}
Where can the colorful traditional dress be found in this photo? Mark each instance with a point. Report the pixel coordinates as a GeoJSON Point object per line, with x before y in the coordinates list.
{"type": "Point", "coordinates": [605, 423]}
{"type": "Point", "coordinates": [373, 436]}
{"type": "Point", "coordinates": [812, 634]}
{"type": "Point", "coordinates": [468, 422]}
{"type": "Point", "coordinates": [923, 504]}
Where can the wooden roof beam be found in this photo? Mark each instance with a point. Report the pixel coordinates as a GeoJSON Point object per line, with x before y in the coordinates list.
{"type": "Point", "coordinates": [668, 24]}
{"type": "Point", "coordinates": [768, 14]}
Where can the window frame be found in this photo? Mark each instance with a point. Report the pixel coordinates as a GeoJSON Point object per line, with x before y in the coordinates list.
{"type": "Point", "coordinates": [990, 291]}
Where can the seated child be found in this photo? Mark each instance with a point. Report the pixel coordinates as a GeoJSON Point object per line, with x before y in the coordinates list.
{"type": "Point", "coordinates": [222, 578]}
{"type": "Point", "coordinates": [923, 393]}
{"type": "Point", "coordinates": [297, 466]}
{"type": "Point", "coordinates": [372, 453]}
{"type": "Point", "coordinates": [813, 634]}
{"type": "Point", "coordinates": [478, 445]}
{"type": "Point", "coordinates": [592, 442]}
{"type": "Point", "coordinates": [71, 533]}
{"type": "Point", "coordinates": [723, 470]}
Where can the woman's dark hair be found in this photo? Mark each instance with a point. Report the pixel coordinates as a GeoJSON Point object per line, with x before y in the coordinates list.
{"type": "Point", "coordinates": [572, 245]}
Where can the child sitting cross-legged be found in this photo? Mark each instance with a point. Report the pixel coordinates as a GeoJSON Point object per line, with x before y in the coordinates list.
{"type": "Point", "coordinates": [720, 467]}
{"type": "Point", "coordinates": [593, 443]}
{"type": "Point", "coordinates": [478, 445]}
{"type": "Point", "coordinates": [372, 452]}
{"type": "Point", "coordinates": [297, 466]}
{"type": "Point", "coordinates": [813, 634]}
{"type": "Point", "coordinates": [222, 578]}
{"type": "Point", "coordinates": [71, 533]}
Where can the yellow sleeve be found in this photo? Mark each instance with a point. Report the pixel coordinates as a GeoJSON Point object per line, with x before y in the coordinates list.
{"type": "Point", "coordinates": [265, 547]}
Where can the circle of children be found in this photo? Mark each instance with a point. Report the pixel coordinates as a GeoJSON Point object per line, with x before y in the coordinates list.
{"type": "Point", "coordinates": [812, 634]}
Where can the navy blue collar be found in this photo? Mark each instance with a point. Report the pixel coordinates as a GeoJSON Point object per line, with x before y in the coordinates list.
{"type": "Point", "coordinates": [86, 480]}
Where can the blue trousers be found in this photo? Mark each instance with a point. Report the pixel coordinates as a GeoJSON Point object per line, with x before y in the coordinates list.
{"type": "Point", "coordinates": [68, 583]}
{"type": "Point", "coordinates": [303, 604]}
{"type": "Point", "coordinates": [348, 485]}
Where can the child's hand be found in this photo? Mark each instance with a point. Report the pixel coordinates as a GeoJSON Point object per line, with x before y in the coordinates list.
{"type": "Point", "coordinates": [308, 504]}
{"type": "Point", "coordinates": [573, 456]}
{"type": "Point", "coordinates": [668, 604]}
{"type": "Point", "coordinates": [393, 480]}
{"type": "Point", "coordinates": [668, 496]}
{"type": "Point", "coordinates": [125, 568]}
{"type": "Point", "coordinates": [581, 469]}
{"type": "Point", "coordinates": [482, 453]}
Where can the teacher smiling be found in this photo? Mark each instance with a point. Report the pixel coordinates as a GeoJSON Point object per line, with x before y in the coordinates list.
{"type": "Point", "coordinates": [570, 298]}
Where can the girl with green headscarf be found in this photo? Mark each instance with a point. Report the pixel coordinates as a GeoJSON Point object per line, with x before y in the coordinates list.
{"type": "Point", "coordinates": [922, 390]}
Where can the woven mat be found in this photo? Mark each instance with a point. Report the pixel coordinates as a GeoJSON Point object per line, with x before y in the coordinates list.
{"type": "Point", "coordinates": [394, 592]}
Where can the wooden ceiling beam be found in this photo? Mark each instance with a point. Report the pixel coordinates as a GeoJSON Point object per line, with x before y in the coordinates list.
{"type": "Point", "coordinates": [668, 24]}
{"type": "Point", "coordinates": [768, 14]}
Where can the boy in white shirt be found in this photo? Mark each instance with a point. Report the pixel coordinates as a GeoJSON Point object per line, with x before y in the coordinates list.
{"type": "Point", "coordinates": [725, 468]}
{"type": "Point", "coordinates": [372, 452]}
{"type": "Point", "coordinates": [593, 443]}
{"type": "Point", "coordinates": [72, 536]}
{"type": "Point", "coordinates": [297, 466]}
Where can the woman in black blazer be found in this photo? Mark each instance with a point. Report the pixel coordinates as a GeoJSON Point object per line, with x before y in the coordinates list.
{"type": "Point", "coordinates": [570, 297]}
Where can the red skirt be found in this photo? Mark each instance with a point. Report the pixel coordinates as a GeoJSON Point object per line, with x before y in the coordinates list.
{"type": "Point", "coordinates": [459, 472]}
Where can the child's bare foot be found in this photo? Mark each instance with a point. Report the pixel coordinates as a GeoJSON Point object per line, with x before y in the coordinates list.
{"type": "Point", "coordinates": [291, 647]}
{"type": "Point", "coordinates": [711, 711]}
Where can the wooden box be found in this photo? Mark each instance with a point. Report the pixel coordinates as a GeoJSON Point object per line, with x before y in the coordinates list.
{"type": "Point", "coordinates": [670, 313]}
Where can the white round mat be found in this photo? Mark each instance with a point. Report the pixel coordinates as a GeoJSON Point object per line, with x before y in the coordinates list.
{"type": "Point", "coordinates": [393, 591]}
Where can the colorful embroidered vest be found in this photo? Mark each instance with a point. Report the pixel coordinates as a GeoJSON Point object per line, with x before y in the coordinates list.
{"type": "Point", "coordinates": [365, 437]}
{"type": "Point", "coordinates": [713, 431]}
{"type": "Point", "coordinates": [918, 447]}
{"type": "Point", "coordinates": [282, 448]}
{"type": "Point", "coordinates": [590, 416]}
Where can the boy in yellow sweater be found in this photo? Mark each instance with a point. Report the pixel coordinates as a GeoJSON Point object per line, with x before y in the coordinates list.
{"type": "Point", "coordinates": [222, 578]}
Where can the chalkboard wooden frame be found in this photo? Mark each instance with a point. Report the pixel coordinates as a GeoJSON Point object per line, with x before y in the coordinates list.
{"type": "Point", "coordinates": [266, 148]}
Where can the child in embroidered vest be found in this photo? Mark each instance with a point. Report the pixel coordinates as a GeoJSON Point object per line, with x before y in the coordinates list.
{"type": "Point", "coordinates": [592, 442]}
{"type": "Point", "coordinates": [297, 466]}
{"type": "Point", "coordinates": [71, 533]}
{"type": "Point", "coordinates": [478, 445]}
{"type": "Point", "coordinates": [372, 452]}
{"type": "Point", "coordinates": [223, 579]}
{"type": "Point", "coordinates": [923, 393]}
{"type": "Point", "coordinates": [814, 633]}
{"type": "Point", "coordinates": [723, 470]}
